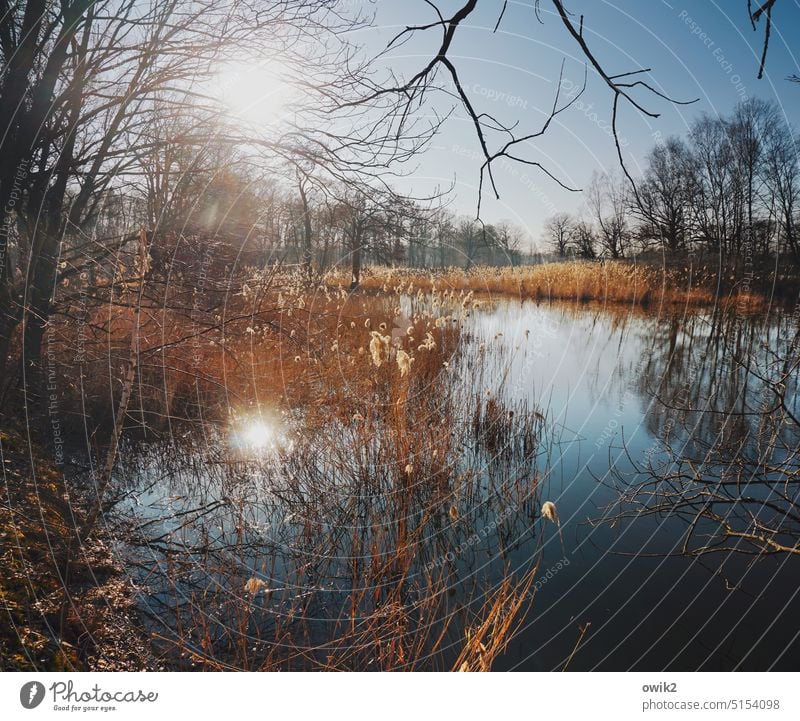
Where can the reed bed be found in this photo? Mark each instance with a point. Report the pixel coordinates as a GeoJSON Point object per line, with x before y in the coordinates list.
{"type": "Point", "coordinates": [604, 282]}
{"type": "Point", "coordinates": [271, 341]}
{"type": "Point", "coordinates": [374, 531]}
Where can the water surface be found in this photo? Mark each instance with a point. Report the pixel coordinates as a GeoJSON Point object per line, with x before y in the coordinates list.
{"type": "Point", "coordinates": [613, 392]}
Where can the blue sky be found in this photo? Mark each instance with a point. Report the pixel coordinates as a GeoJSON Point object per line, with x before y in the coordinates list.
{"type": "Point", "coordinates": [704, 49]}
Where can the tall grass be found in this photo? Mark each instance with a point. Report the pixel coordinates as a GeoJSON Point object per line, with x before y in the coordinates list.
{"type": "Point", "coordinates": [606, 282]}
{"type": "Point", "coordinates": [358, 541]}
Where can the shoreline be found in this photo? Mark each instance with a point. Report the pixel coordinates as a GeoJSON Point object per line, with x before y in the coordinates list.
{"type": "Point", "coordinates": [607, 282]}
{"type": "Point", "coordinates": [67, 605]}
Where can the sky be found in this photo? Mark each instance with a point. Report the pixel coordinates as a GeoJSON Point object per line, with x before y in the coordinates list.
{"type": "Point", "coordinates": [704, 50]}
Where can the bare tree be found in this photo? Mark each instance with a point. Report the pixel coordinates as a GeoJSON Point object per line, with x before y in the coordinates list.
{"type": "Point", "coordinates": [609, 201]}
{"type": "Point", "coordinates": [749, 127]}
{"type": "Point", "coordinates": [783, 179]}
{"type": "Point", "coordinates": [711, 184]}
{"type": "Point", "coordinates": [663, 197]}
{"type": "Point", "coordinates": [585, 239]}
{"type": "Point", "coordinates": [508, 241]}
{"type": "Point", "coordinates": [560, 233]}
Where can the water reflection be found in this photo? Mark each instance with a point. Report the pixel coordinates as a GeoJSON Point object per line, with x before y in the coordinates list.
{"type": "Point", "coordinates": [624, 419]}
{"type": "Point", "coordinates": [639, 400]}
{"type": "Point", "coordinates": [375, 541]}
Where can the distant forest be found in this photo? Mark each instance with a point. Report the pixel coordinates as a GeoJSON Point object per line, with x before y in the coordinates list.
{"type": "Point", "coordinates": [730, 188]}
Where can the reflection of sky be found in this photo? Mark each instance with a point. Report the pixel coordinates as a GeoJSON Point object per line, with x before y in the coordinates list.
{"type": "Point", "coordinates": [513, 75]}
{"type": "Point", "coordinates": [586, 369]}
{"type": "Point", "coordinates": [581, 368]}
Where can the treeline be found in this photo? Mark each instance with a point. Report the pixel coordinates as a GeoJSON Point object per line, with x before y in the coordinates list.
{"type": "Point", "coordinates": [731, 188]}
{"type": "Point", "coordinates": [256, 219]}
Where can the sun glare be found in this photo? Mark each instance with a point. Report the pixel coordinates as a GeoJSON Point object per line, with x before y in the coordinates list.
{"type": "Point", "coordinates": [254, 92]}
{"type": "Point", "coordinates": [258, 433]}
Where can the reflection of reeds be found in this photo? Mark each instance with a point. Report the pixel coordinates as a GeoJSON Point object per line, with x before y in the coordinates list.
{"type": "Point", "coordinates": [350, 526]}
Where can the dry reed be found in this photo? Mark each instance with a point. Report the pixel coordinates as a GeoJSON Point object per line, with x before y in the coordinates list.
{"type": "Point", "coordinates": [583, 281]}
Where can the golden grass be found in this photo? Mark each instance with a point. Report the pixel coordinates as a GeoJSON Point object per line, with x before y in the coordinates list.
{"type": "Point", "coordinates": [277, 343]}
{"type": "Point", "coordinates": [605, 282]}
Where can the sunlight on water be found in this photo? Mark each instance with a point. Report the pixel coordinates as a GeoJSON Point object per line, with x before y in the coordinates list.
{"type": "Point", "coordinates": [258, 433]}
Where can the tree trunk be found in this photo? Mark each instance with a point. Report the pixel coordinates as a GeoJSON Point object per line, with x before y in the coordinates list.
{"type": "Point", "coordinates": [307, 234]}
{"type": "Point", "coordinates": [355, 254]}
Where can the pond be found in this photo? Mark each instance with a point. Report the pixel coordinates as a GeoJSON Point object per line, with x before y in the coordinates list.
{"type": "Point", "coordinates": [636, 425]}
{"type": "Point", "coordinates": [621, 386]}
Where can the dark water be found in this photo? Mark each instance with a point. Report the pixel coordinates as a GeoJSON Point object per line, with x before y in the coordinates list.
{"type": "Point", "coordinates": [621, 386]}
{"type": "Point", "coordinates": [619, 390]}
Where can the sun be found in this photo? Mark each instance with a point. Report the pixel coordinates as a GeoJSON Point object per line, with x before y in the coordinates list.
{"type": "Point", "coordinates": [256, 92]}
